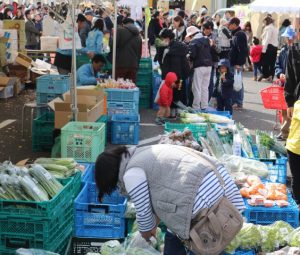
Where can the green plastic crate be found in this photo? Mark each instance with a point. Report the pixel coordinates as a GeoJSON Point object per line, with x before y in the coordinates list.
{"type": "Point", "coordinates": [145, 103]}
{"type": "Point", "coordinates": [82, 60]}
{"type": "Point", "coordinates": [104, 119]}
{"type": "Point", "coordinates": [198, 130]}
{"type": "Point", "coordinates": [83, 141]}
{"type": "Point", "coordinates": [51, 235]}
{"type": "Point", "coordinates": [145, 63]}
{"type": "Point", "coordinates": [43, 210]}
{"type": "Point", "coordinates": [42, 132]}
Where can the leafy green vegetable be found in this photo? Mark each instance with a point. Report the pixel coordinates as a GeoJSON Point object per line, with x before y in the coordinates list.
{"type": "Point", "coordinates": [112, 248]}
{"type": "Point", "coordinates": [294, 238]}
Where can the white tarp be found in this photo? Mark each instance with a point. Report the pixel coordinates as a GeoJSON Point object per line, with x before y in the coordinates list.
{"type": "Point", "coordinates": [277, 6]}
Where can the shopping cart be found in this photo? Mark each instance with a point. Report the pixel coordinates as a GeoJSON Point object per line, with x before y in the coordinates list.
{"type": "Point", "coordinates": [273, 98]}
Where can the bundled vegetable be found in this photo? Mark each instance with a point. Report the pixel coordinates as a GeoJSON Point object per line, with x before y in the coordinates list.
{"type": "Point", "coordinates": [245, 140]}
{"type": "Point", "coordinates": [184, 138]}
{"type": "Point", "coordinates": [191, 118]}
{"type": "Point", "coordinates": [58, 167]}
{"type": "Point", "coordinates": [293, 238]}
{"type": "Point", "coordinates": [19, 183]}
{"type": "Point", "coordinates": [204, 117]}
{"type": "Point", "coordinates": [270, 143]}
{"type": "Point", "coordinates": [116, 84]}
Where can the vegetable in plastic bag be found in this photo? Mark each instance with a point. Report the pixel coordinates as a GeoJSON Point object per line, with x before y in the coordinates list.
{"type": "Point", "coordinates": [282, 230]}
{"type": "Point", "coordinates": [249, 236]}
{"type": "Point", "coordinates": [139, 246]}
{"type": "Point", "coordinates": [130, 211]}
{"type": "Point", "coordinates": [23, 251]}
{"type": "Point", "coordinates": [112, 248]}
{"type": "Point", "coordinates": [268, 241]}
{"type": "Point", "coordinates": [234, 245]}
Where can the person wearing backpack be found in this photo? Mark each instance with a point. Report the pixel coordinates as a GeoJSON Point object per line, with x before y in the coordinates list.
{"type": "Point", "coordinates": [189, 191]}
{"type": "Point", "coordinates": [202, 62]}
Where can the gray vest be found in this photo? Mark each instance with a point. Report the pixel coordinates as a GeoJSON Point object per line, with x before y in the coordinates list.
{"type": "Point", "coordinates": [174, 177]}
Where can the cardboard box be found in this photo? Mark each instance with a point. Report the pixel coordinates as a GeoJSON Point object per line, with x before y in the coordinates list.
{"type": "Point", "coordinates": [24, 60]}
{"type": "Point", "coordinates": [16, 70]}
{"type": "Point", "coordinates": [86, 113]}
{"type": "Point", "coordinates": [86, 96]}
{"type": "Point", "coordinates": [49, 43]}
{"type": "Point", "coordinates": [11, 81]}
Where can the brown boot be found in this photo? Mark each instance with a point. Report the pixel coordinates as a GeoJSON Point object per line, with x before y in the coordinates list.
{"type": "Point", "coordinates": [254, 78]}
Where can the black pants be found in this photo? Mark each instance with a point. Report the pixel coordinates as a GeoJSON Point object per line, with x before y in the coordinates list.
{"type": "Point", "coordinates": [268, 61]}
{"type": "Point", "coordinates": [173, 246]}
{"type": "Point", "coordinates": [224, 104]}
{"type": "Point", "coordinates": [294, 161]}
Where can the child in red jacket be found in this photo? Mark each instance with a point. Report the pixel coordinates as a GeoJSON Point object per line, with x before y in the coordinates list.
{"type": "Point", "coordinates": [255, 54]}
{"type": "Point", "coordinates": [165, 98]}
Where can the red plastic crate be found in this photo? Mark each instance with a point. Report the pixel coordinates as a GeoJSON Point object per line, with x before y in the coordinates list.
{"type": "Point", "coordinates": [273, 98]}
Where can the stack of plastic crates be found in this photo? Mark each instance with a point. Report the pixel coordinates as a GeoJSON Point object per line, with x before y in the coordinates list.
{"type": "Point", "coordinates": [42, 132]}
{"type": "Point", "coordinates": [144, 82]}
{"type": "Point", "coordinates": [156, 84]}
{"type": "Point", "coordinates": [83, 141]}
{"type": "Point", "coordinates": [125, 129]}
{"type": "Point", "coordinates": [44, 225]}
{"type": "Point", "coordinates": [49, 87]}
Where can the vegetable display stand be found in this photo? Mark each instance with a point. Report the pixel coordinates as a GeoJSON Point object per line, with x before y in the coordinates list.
{"type": "Point", "coordinates": [99, 220]}
{"type": "Point", "coordinates": [268, 215]}
{"type": "Point", "coordinates": [53, 84]}
{"type": "Point", "coordinates": [83, 141]}
{"type": "Point", "coordinates": [125, 129]}
{"type": "Point", "coordinates": [82, 246]}
{"type": "Point", "coordinates": [88, 175]}
{"type": "Point", "coordinates": [277, 167]}
{"type": "Point", "coordinates": [106, 120]}
{"type": "Point", "coordinates": [198, 130]}
{"type": "Point", "coordinates": [42, 132]}
{"type": "Point", "coordinates": [123, 95]}
{"type": "Point", "coordinates": [42, 225]}
{"type": "Point", "coordinates": [114, 107]}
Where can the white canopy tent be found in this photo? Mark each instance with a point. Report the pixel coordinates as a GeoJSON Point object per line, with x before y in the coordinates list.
{"type": "Point", "coordinates": [277, 6]}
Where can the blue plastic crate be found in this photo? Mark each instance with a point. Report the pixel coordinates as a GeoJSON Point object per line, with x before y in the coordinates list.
{"type": "Point", "coordinates": [121, 108]}
{"type": "Point", "coordinates": [45, 98]}
{"type": "Point", "coordinates": [156, 84]}
{"type": "Point", "coordinates": [123, 95]}
{"type": "Point", "coordinates": [125, 129]}
{"type": "Point", "coordinates": [99, 220]}
{"type": "Point", "coordinates": [266, 216]}
{"type": "Point", "coordinates": [277, 167]}
{"type": "Point", "coordinates": [55, 84]}
{"type": "Point", "coordinates": [240, 252]}
{"type": "Point", "coordinates": [221, 113]}
{"type": "Point", "coordinates": [88, 175]}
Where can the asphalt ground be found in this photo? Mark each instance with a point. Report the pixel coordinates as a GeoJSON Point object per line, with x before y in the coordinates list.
{"type": "Point", "coordinates": [14, 147]}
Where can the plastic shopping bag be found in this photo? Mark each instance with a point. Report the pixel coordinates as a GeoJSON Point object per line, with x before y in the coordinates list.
{"type": "Point", "coordinates": [238, 81]}
{"type": "Point", "coordinates": [138, 245]}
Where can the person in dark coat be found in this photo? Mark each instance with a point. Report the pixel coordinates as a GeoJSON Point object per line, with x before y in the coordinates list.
{"type": "Point", "coordinates": [154, 28]}
{"type": "Point", "coordinates": [171, 56]}
{"type": "Point", "coordinates": [32, 34]}
{"type": "Point", "coordinates": [129, 50]}
{"type": "Point", "coordinates": [7, 14]}
{"type": "Point", "coordinates": [237, 57]}
{"type": "Point", "coordinates": [224, 87]}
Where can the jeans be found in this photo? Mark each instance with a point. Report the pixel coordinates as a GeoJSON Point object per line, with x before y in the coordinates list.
{"type": "Point", "coordinates": [256, 69]}
{"type": "Point", "coordinates": [173, 246]}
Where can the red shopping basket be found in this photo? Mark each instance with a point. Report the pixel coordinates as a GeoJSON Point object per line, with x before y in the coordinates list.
{"type": "Point", "coordinates": [273, 98]}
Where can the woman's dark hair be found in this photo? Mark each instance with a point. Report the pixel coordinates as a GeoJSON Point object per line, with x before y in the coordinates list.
{"type": "Point", "coordinates": [208, 25]}
{"type": "Point", "coordinates": [180, 20]}
{"type": "Point", "coordinates": [255, 41]}
{"type": "Point", "coordinates": [99, 58]}
{"type": "Point", "coordinates": [99, 24]}
{"type": "Point", "coordinates": [156, 14]}
{"type": "Point", "coordinates": [6, 10]}
{"type": "Point", "coordinates": [81, 18]}
{"type": "Point", "coordinates": [1, 16]}
{"type": "Point", "coordinates": [120, 19]}
{"type": "Point", "coordinates": [167, 33]}
{"type": "Point", "coordinates": [181, 14]}
{"type": "Point", "coordinates": [268, 20]}
{"type": "Point", "coordinates": [107, 168]}
{"type": "Point", "coordinates": [248, 24]}
{"type": "Point", "coordinates": [27, 12]}
{"type": "Point", "coordinates": [286, 23]}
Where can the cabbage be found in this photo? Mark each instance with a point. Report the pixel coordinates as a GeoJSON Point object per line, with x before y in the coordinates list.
{"type": "Point", "coordinates": [268, 241]}
{"type": "Point", "coordinates": [282, 230]}
{"type": "Point", "coordinates": [235, 243]}
{"type": "Point", "coordinates": [250, 237]}
{"type": "Point", "coordinates": [112, 248]}
{"type": "Point", "coordinates": [294, 238]}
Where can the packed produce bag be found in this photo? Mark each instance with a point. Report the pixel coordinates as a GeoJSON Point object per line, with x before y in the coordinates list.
{"type": "Point", "coordinates": [293, 238]}
{"type": "Point", "coordinates": [139, 246]}
{"type": "Point", "coordinates": [112, 248]}
{"type": "Point", "coordinates": [23, 251]}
